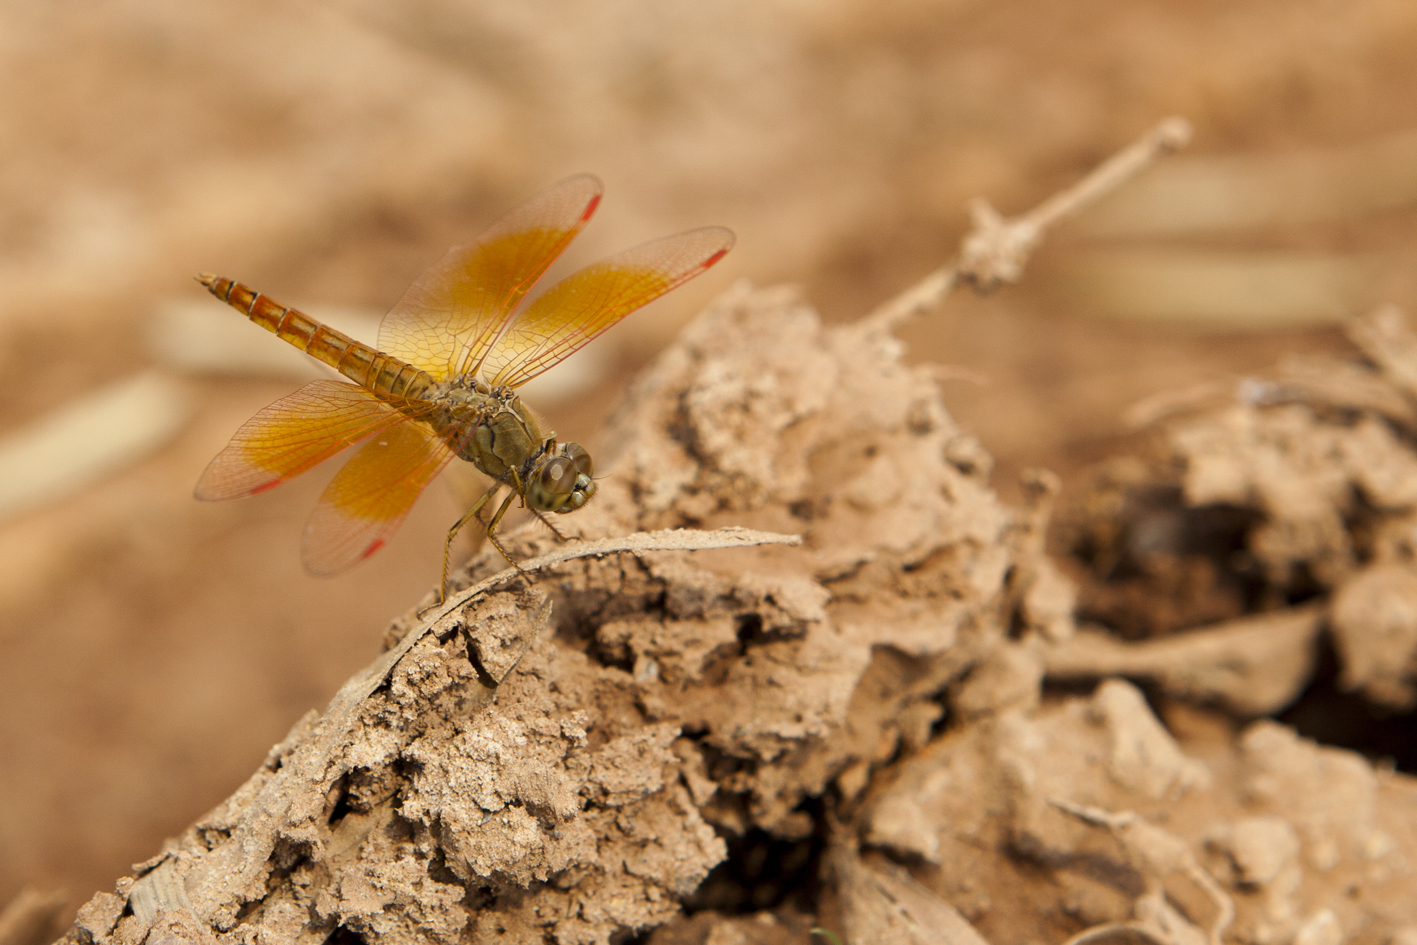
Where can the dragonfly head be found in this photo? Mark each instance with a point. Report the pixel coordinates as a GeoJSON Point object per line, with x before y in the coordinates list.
{"type": "Point", "coordinates": [561, 482]}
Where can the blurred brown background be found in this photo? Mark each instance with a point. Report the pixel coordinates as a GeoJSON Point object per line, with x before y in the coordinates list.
{"type": "Point", "coordinates": [152, 648]}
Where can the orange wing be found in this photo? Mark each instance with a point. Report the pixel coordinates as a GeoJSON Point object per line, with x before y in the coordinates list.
{"type": "Point", "coordinates": [447, 320]}
{"type": "Point", "coordinates": [292, 435]}
{"type": "Point", "coordinates": [586, 303]}
{"type": "Point", "coordinates": [367, 500]}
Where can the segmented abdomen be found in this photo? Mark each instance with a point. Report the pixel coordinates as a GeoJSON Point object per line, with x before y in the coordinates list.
{"type": "Point", "coordinates": [362, 364]}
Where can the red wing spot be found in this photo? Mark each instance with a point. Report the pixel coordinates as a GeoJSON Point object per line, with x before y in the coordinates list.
{"type": "Point", "coordinates": [264, 487]}
{"type": "Point", "coordinates": [379, 543]}
{"type": "Point", "coordinates": [590, 207]}
{"type": "Point", "coordinates": [715, 258]}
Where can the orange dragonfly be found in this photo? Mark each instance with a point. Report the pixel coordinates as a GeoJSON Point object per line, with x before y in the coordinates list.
{"type": "Point", "coordinates": [442, 382]}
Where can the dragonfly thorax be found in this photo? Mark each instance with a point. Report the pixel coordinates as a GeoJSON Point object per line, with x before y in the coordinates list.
{"type": "Point", "coordinates": [490, 428]}
{"type": "Point", "coordinates": [487, 426]}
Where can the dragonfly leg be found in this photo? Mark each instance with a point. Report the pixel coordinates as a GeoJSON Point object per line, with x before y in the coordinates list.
{"type": "Point", "coordinates": [468, 516]}
{"type": "Point", "coordinates": [492, 533]}
{"type": "Point", "coordinates": [548, 523]}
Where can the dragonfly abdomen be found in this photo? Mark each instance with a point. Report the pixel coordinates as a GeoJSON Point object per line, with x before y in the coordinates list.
{"type": "Point", "coordinates": [366, 366]}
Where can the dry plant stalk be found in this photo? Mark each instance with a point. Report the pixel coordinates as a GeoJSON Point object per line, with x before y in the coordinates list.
{"type": "Point", "coordinates": [996, 249]}
{"type": "Point", "coordinates": [659, 704]}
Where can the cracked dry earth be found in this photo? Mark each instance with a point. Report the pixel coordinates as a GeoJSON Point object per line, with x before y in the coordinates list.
{"type": "Point", "coordinates": [733, 746]}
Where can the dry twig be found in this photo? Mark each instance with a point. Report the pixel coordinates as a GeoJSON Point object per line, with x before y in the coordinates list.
{"type": "Point", "coordinates": [996, 248]}
{"type": "Point", "coordinates": [1157, 854]}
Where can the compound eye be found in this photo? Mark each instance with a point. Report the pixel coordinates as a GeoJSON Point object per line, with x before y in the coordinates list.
{"type": "Point", "coordinates": [558, 477]}
{"type": "Point", "coordinates": [578, 455]}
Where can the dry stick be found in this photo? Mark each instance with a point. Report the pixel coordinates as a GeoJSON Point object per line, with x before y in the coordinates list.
{"type": "Point", "coordinates": [1156, 853]}
{"type": "Point", "coordinates": [995, 249]}
{"type": "Point", "coordinates": [281, 802]}
{"type": "Point", "coordinates": [675, 539]}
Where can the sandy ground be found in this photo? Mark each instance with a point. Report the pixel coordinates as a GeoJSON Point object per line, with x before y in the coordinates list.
{"type": "Point", "coordinates": [155, 648]}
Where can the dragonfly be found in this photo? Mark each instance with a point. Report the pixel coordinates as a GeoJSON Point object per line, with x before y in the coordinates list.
{"type": "Point", "coordinates": [442, 382]}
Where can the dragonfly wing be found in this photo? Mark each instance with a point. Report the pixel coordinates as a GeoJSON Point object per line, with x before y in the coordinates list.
{"type": "Point", "coordinates": [447, 320]}
{"type": "Point", "coordinates": [586, 303]}
{"type": "Point", "coordinates": [367, 500]}
{"type": "Point", "coordinates": [291, 435]}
